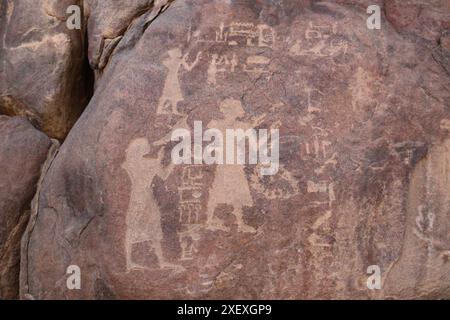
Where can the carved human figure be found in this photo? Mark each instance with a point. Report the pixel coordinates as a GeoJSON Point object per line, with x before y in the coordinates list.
{"type": "Point", "coordinates": [230, 185]}
{"type": "Point", "coordinates": [212, 69]}
{"type": "Point", "coordinates": [143, 217]}
{"type": "Point", "coordinates": [172, 93]}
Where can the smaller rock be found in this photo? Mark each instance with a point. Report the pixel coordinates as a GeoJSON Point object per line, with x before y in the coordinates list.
{"type": "Point", "coordinates": [23, 150]}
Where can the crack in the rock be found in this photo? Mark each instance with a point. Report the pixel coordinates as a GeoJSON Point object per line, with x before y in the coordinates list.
{"type": "Point", "coordinates": [107, 48]}
{"type": "Point", "coordinates": [24, 270]}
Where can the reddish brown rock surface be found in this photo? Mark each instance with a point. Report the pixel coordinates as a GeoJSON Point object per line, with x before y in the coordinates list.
{"type": "Point", "coordinates": [23, 150]}
{"type": "Point", "coordinates": [43, 73]}
{"type": "Point", "coordinates": [108, 21]}
{"type": "Point", "coordinates": [364, 124]}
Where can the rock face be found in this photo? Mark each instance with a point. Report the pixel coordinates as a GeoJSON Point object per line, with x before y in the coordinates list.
{"type": "Point", "coordinates": [23, 150]}
{"type": "Point", "coordinates": [108, 21]}
{"type": "Point", "coordinates": [43, 71]}
{"type": "Point", "coordinates": [364, 152]}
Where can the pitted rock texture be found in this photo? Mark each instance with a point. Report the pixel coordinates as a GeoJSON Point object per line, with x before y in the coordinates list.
{"type": "Point", "coordinates": [43, 72]}
{"type": "Point", "coordinates": [364, 124]}
{"type": "Point", "coordinates": [23, 150]}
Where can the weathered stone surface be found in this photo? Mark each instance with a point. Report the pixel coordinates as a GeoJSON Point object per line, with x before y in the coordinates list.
{"type": "Point", "coordinates": [43, 73]}
{"type": "Point", "coordinates": [426, 19]}
{"type": "Point", "coordinates": [23, 150]}
{"type": "Point", "coordinates": [108, 21]}
{"type": "Point", "coordinates": [364, 124]}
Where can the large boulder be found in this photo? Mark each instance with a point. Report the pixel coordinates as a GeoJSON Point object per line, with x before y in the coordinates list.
{"type": "Point", "coordinates": [363, 178]}
{"type": "Point", "coordinates": [44, 73]}
{"type": "Point", "coordinates": [23, 151]}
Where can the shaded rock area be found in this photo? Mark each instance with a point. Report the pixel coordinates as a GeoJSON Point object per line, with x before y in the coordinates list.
{"type": "Point", "coordinates": [23, 150]}
{"type": "Point", "coordinates": [364, 165]}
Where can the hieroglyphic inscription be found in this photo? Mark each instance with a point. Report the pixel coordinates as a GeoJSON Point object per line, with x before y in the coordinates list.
{"type": "Point", "coordinates": [237, 34]}
{"type": "Point", "coordinates": [191, 196]}
{"type": "Point", "coordinates": [319, 41]}
{"type": "Point", "coordinates": [317, 152]}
